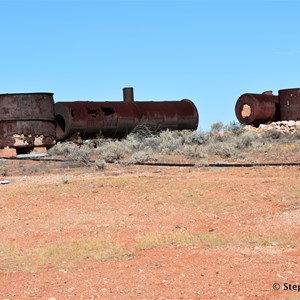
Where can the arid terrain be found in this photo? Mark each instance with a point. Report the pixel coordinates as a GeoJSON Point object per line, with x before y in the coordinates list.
{"type": "Point", "coordinates": [149, 232]}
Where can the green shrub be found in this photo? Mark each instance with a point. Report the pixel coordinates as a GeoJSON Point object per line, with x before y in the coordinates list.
{"type": "Point", "coordinates": [217, 127]}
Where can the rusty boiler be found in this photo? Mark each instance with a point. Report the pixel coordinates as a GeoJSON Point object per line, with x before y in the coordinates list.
{"type": "Point", "coordinates": [117, 119]}
{"type": "Point", "coordinates": [289, 104]}
{"type": "Point", "coordinates": [27, 120]}
{"type": "Point", "coordinates": [254, 109]}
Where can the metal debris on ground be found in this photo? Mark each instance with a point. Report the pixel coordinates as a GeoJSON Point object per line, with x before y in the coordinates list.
{"type": "Point", "coordinates": [32, 155]}
{"type": "Point", "coordinates": [5, 181]}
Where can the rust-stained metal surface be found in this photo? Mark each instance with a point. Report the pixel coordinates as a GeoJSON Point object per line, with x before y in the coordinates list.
{"type": "Point", "coordinates": [27, 120]}
{"type": "Point", "coordinates": [117, 119]}
{"type": "Point", "coordinates": [128, 94]}
{"type": "Point", "coordinates": [289, 104]}
{"type": "Point", "coordinates": [254, 109]}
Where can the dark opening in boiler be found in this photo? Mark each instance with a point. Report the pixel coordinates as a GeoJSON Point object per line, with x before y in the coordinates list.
{"type": "Point", "coordinates": [24, 150]}
{"type": "Point", "coordinates": [93, 112]}
{"type": "Point", "coordinates": [60, 125]}
{"type": "Point", "coordinates": [107, 111]}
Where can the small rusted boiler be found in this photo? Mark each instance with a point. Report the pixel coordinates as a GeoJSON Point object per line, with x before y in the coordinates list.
{"type": "Point", "coordinates": [27, 120]}
{"type": "Point", "coordinates": [254, 109]}
{"type": "Point", "coordinates": [117, 119]}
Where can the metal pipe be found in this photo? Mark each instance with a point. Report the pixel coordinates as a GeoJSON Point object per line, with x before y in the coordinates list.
{"type": "Point", "coordinates": [128, 95]}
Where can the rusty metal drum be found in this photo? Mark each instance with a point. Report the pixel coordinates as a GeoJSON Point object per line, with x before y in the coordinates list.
{"type": "Point", "coordinates": [255, 109]}
{"type": "Point", "coordinates": [27, 120]}
{"type": "Point", "coordinates": [289, 100]}
{"type": "Point", "coordinates": [117, 119]}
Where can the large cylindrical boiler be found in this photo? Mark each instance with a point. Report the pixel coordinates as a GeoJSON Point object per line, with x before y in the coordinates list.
{"type": "Point", "coordinates": [289, 104]}
{"type": "Point", "coordinates": [117, 119]}
{"type": "Point", "coordinates": [27, 120]}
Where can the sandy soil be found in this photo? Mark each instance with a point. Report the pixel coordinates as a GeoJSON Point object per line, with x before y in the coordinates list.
{"type": "Point", "coordinates": [133, 232]}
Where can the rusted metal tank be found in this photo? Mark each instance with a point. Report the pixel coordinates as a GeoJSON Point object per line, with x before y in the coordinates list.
{"type": "Point", "coordinates": [254, 109]}
{"type": "Point", "coordinates": [289, 104]}
{"type": "Point", "coordinates": [27, 120]}
{"type": "Point", "coordinates": [117, 119]}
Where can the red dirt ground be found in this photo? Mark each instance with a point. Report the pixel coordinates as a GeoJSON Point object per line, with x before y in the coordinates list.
{"type": "Point", "coordinates": [151, 233]}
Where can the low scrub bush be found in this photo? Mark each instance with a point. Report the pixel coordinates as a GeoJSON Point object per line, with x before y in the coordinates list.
{"type": "Point", "coordinates": [196, 138]}
{"type": "Point", "coordinates": [81, 154]}
{"type": "Point", "coordinates": [234, 128]}
{"type": "Point", "coordinates": [224, 150]}
{"type": "Point", "coordinates": [113, 151]}
{"type": "Point", "coordinates": [141, 157]}
{"type": "Point", "coordinates": [100, 164]}
{"type": "Point", "coordinates": [62, 149]}
{"type": "Point", "coordinates": [170, 141]}
{"type": "Point", "coordinates": [272, 134]}
{"type": "Point", "coordinates": [226, 141]}
{"type": "Point", "coordinates": [245, 140]}
{"type": "Point", "coordinates": [194, 151]}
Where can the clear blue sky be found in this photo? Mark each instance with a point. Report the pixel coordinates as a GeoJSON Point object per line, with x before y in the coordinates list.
{"type": "Point", "coordinates": [208, 51]}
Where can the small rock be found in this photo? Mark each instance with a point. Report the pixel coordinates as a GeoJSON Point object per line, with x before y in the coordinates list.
{"type": "Point", "coordinates": [65, 179]}
{"type": "Point", "coordinates": [262, 125]}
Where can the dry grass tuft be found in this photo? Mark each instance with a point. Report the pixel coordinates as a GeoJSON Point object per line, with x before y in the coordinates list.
{"type": "Point", "coordinates": [182, 238]}
{"type": "Point", "coordinates": [210, 239]}
{"type": "Point", "coordinates": [77, 250]}
{"type": "Point", "coordinates": [15, 258]}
